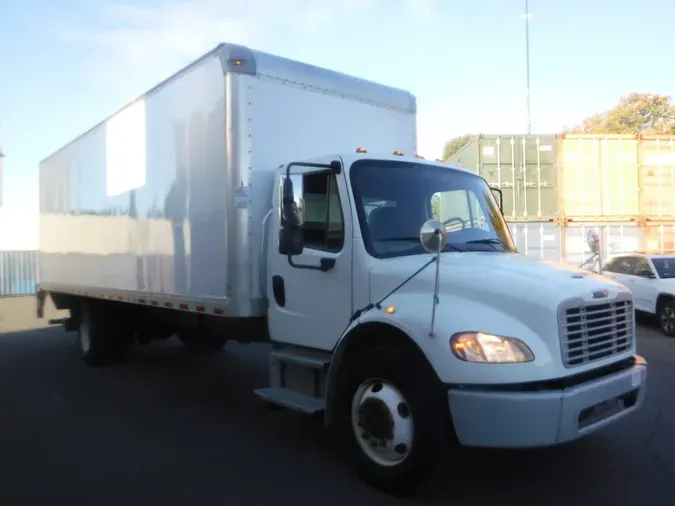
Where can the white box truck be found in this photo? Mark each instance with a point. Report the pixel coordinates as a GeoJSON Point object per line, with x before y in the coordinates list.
{"type": "Point", "coordinates": [254, 198]}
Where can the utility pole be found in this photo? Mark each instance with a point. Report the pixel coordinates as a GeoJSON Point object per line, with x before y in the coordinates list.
{"type": "Point", "coordinates": [527, 64]}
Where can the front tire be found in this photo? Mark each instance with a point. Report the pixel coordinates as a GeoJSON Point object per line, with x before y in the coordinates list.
{"type": "Point", "coordinates": [667, 318]}
{"type": "Point", "coordinates": [393, 420]}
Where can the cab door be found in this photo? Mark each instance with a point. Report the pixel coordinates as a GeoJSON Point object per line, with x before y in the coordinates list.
{"type": "Point", "coordinates": [310, 294]}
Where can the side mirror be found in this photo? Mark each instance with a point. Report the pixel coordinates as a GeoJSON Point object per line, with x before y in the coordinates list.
{"type": "Point", "coordinates": [646, 274]}
{"type": "Point", "coordinates": [290, 232]}
{"type": "Point", "coordinates": [593, 241]}
{"type": "Point", "coordinates": [290, 241]}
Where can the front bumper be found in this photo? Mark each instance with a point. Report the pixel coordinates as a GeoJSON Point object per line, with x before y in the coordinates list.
{"type": "Point", "coordinates": [508, 419]}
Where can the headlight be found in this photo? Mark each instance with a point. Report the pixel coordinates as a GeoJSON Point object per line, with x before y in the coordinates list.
{"type": "Point", "coordinates": [488, 348]}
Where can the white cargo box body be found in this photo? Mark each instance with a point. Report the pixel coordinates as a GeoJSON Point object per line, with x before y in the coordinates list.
{"type": "Point", "coordinates": [168, 195]}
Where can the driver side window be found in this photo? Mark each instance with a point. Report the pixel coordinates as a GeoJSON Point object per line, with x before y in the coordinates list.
{"type": "Point", "coordinates": [461, 209]}
{"type": "Point", "coordinates": [319, 210]}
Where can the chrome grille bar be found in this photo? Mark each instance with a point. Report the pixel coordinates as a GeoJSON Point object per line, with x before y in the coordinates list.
{"type": "Point", "coordinates": [590, 332]}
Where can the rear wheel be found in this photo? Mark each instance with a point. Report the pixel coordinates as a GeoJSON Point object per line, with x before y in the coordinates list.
{"type": "Point", "coordinates": [394, 419]}
{"type": "Point", "coordinates": [667, 318]}
{"type": "Point", "coordinates": [100, 339]}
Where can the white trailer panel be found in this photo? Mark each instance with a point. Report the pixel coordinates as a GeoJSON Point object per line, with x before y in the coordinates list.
{"type": "Point", "coordinates": [168, 195]}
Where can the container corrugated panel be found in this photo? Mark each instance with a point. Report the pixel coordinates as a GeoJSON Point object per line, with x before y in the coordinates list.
{"type": "Point", "coordinates": [657, 176]}
{"type": "Point", "coordinates": [599, 176]}
{"type": "Point", "coordinates": [658, 237]}
{"type": "Point", "coordinates": [537, 240]}
{"type": "Point", "coordinates": [615, 238]}
{"type": "Point", "coordinates": [523, 167]}
{"type": "Point", "coordinates": [547, 241]}
{"type": "Point", "coordinates": [18, 273]}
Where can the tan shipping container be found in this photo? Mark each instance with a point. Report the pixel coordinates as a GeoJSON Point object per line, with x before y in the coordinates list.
{"type": "Point", "coordinates": [658, 237]}
{"type": "Point", "coordinates": [657, 176]}
{"type": "Point", "coordinates": [583, 177]}
{"type": "Point", "coordinates": [599, 175]}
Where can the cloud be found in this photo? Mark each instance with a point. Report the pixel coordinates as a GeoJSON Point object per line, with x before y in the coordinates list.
{"type": "Point", "coordinates": [151, 41]}
{"type": "Point", "coordinates": [176, 31]}
{"type": "Point", "coordinates": [425, 10]}
{"type": "Point", "coordinates": [155, 39]}
{"type": "Point", "coordinates": [179, 30]}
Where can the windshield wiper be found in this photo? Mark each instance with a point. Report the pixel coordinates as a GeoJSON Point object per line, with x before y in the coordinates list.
{"type": "Point", "coordinates": [491, 241]}
{"type": "Point", "coordinates": [413, 239]}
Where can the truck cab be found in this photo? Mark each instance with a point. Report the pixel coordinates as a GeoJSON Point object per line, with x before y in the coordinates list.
{"type": "Point", "coordinates": [397, 282]}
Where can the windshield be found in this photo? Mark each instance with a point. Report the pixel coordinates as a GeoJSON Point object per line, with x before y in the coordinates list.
{"type": "Point", "coordinates": [394, 199]}
{"type": "Point", "coordinates": [665, 267]}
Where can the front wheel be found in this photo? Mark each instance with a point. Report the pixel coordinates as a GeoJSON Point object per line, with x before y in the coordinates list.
{"type": "Point", "coordinates": [667, 318]}
{"type": "Point", "coordinates": [382, 422]}
{"type": "Point", "coordinates": [394, 415]}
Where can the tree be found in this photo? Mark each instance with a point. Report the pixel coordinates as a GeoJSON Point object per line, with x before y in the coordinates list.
{"type": "Point", "coordinates": [453, 145]}
{"type": "Point", "coordinates": [436, 206]}
{"type": "Point", "coordinates": [638, 113]}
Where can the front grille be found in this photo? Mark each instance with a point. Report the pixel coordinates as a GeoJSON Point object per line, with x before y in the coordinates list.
{"type": "Point", "coordinates": [595, 331]}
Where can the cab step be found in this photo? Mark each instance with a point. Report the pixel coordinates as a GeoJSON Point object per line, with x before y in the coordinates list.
{"type": "Point", "coordinates": [302, 357]}
{"type": "Point", "coordinates": [291, 399]}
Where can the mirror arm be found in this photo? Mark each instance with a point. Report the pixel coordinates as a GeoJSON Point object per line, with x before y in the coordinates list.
{"type": "Point", "coordinates": [438, 234]}
{"type": "Point", "coordinates": [501, 198]}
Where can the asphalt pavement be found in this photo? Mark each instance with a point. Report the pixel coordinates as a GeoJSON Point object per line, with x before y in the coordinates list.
{"type": "Point", "coordinates": [170, 428]}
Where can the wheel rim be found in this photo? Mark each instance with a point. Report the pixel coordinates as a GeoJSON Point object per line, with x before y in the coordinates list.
{"type": "Point", "coordinates": [84, 334]}
{"type": "Point", "coordinates": [382, 422]}
{"type": "Point", "coordinates": [668, 319]}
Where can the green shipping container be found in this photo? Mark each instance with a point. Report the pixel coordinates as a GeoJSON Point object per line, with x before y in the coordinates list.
{"type": "Point", "coordinates": [524, 167]}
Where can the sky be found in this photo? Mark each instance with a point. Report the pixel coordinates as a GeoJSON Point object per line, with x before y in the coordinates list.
{"type": "Point", "coordinates": [66, 65]}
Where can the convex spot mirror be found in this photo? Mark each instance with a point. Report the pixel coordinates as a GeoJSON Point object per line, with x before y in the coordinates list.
{"type": "Point", "coordinates": [593, 241]}
{"type": "Point", "coordinates": [433, 236]}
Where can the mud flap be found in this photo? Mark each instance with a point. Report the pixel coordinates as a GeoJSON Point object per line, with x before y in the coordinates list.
{"type": "Point", "coordinates": [41, 298]}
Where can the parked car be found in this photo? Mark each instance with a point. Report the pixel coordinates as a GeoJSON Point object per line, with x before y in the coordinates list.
{"type": "Point", "coordinates": [651, 278]}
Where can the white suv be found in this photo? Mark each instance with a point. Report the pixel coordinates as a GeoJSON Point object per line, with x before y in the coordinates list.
{"type": "Point", "coordinates": [651, 278]}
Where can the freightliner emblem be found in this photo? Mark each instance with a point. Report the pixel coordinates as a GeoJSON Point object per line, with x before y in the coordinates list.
{"type": "Point", "coordinates": [598, 294]}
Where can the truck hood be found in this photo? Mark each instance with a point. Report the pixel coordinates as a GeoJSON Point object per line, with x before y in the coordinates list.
{"type": "Point", "coordinates": [495, 279]}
